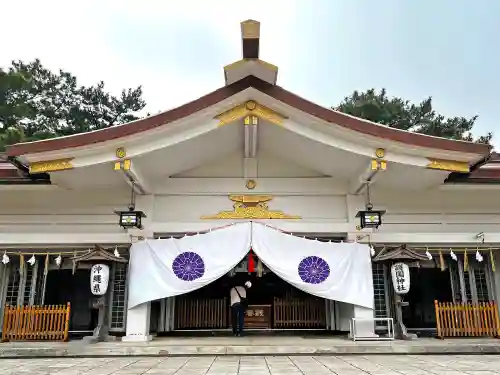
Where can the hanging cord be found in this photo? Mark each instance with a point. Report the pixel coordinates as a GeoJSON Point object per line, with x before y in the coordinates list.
{"type": "Point", "coordinates": [369, 205]}
{"type": "Point", "coordinates": [251, 234]}
{"type": "Point", "coordinates": [132, 198]}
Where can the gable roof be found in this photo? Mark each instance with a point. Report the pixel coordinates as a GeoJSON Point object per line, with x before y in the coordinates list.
{"type": "Point", "coordinates": [276, 92]}
{"type": "Point", "coordinates": [12, 174]}
{"type": "Point", "coordinates": [487, 172]}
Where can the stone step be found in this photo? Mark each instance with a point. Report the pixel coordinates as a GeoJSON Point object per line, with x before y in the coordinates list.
{"type": "Point", "coordinates": [247, 347]}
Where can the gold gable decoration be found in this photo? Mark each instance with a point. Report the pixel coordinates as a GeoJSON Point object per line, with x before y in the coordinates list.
{"type": "Point", "coordinates": [250, 108]}
{"type": "Point", "coordinates": [448, 165]}
{"type": "Point", "coordinates": [50, 165]}
{"type": "Point", "coordinates": [250, 207]}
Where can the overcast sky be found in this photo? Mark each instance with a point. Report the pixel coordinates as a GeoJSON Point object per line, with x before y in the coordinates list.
{"type": "Point", "coordinates": [324, 49]}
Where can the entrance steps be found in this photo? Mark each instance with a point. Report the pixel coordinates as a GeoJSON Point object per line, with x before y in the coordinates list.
{"type": "Point", "coordinates": [251, 345]}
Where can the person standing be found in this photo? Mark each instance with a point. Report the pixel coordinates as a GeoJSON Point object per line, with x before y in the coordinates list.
{"type": "Point", "coordinates": [238, 296]}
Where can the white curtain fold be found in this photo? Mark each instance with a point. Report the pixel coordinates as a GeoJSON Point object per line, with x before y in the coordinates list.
{"type": "Point", "coordinates": [169, 267]}
{"type": "Point", "coordinates": [335, 271]}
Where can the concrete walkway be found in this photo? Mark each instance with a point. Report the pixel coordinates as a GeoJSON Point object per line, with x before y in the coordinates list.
{"type": "Point", "coordinates": [256, 345]}
{"type": "Point", "coordinates": [258, 365]}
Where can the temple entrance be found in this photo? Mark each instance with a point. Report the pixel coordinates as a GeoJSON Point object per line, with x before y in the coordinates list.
{"type": "Point", "coordinates": [62, 287]}
{"type": "Point", "coordinates": [433, 284]}
{"type": "Point", "coordinates": [272, 304]}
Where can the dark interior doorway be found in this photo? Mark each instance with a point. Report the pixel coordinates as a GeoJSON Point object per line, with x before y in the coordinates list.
{"type": "Point", "coordinates": [427, 285]}
{"type": "Point", "coordinates": [63, 287]}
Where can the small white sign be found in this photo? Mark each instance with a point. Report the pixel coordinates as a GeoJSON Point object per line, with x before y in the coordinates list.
{"type": "Point", "coordinates": [99, 279]}
{"type": "Point", "coordinates": [400, 273]}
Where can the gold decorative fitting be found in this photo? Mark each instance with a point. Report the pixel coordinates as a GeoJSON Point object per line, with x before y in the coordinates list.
{"type": "Point", "coordinates": [250, 108]}
{"type": "Point", "coordinates": [251, 184]}
{"type": "Point", "coordinates": [250, 207]}
{"type": "Point", "coordinates": [251, 120]}
{"type": "Point", "coordinates": [448, 165]}
{"type": "Point", "coordinates": [50, 165]}
{"type": "Point", "coordinates": [123, 164]}
{"type": "Point", "coordinates": [378, 165]}
{"type": "Point", "coordinates": [379, 153]}
{"type": "Point", "coordinates": [121, 153]}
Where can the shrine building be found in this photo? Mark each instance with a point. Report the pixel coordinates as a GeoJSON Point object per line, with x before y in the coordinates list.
{"type": "Point", "coordinates": [249, 157]}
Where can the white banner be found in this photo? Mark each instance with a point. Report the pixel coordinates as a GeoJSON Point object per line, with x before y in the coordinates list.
{"type": "Point", "coordinates": [169, 267]}
{"type": "Point", "coordinates": [340, 272]}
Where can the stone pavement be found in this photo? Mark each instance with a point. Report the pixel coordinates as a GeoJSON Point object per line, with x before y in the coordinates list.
{"type": "Point", "coordinates": [249, 345]}
{"type": "Point", "coordinates": [259, 365]}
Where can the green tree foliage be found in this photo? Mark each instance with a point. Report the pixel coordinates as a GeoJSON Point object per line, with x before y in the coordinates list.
{"type": "Point", "coordinates": [401, 114]}
{"type": "Point", "coordinates": [36, 103]}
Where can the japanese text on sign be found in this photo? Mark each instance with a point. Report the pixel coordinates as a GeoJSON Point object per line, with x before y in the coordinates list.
{"type": "Point", "coordinates": [99, 279]}
{"type": "Point", "coordinates": [401, 278]}
{"type": "Point", "coordinates": [257, 312]}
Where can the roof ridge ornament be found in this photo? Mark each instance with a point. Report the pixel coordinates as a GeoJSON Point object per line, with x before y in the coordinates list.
{"type": "Point", "coordinates": [250, 64]}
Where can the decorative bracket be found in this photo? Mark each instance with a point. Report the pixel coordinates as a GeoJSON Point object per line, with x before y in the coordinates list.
{"type": "Point", "coordinates": [250, 207]}
{"type": "Point", "coordinates": [252, 109]}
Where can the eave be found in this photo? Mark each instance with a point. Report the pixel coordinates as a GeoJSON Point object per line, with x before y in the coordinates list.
{"type": "Point", "coordinates": [337, 118]}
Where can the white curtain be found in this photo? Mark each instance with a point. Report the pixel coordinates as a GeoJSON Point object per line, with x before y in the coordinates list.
{"type": "Point", "coordinates": [335, 271]}
{"type": "Point", "coordinates": [169, 267]}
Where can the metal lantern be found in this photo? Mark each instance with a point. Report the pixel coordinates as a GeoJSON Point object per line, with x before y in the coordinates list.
{"type": "Point", "coordinates": [370, 218]}
{"type": "Point", "coordinates": [130, 218]}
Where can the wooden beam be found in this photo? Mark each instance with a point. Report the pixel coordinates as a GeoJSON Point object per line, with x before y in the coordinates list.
{"type": "Point", "coordinates": [250, 35]}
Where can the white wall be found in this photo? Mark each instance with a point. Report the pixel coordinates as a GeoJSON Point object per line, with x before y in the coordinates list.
{"type": "Point", "coordinates": [439, 211]}
{"type": "Point", "coordinates": [52, 214]}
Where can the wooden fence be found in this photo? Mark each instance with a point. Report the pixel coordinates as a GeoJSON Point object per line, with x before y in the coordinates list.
{"type": "Point", "coordinates": [299, 313]}
{"type": "Point", "coordinates": [36, 323]}
{"type": "Point", "coordinates": [467, 319]}
{"type": "Point", "coordinates": [200, 313]}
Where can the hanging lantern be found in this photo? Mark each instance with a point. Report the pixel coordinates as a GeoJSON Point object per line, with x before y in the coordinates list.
{"type": "Point", "coordinates": [479, 257]}
{"type": "Point", "coordinates": [99, 279]}
{"type": "Point", "coordinates": [58, 260]}
{"type": "Point", "coordinates": [370, 218]}
{"type": "Point", "coordinates": [5, 258]}
{"type": "Point", "coordinates": [116, 253]}
{"type": "Point", "coordinates": [400, 273]}
{"type": "Point", "coordinates": [130, 219]}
